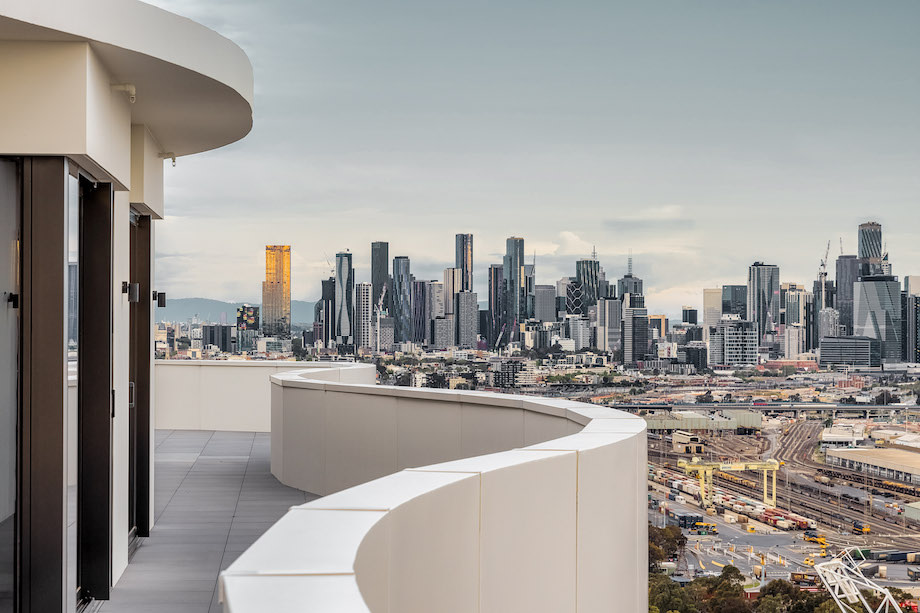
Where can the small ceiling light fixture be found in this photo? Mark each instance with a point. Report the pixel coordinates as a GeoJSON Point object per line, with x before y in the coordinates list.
{"type": "Point", "coordinates": [169, 155]}
{"type": "Point", "coordinates": [128, 89]}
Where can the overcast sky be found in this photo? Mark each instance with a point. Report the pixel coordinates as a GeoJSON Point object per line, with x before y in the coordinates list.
{"type": "Point", "coordinates": [700, 135]}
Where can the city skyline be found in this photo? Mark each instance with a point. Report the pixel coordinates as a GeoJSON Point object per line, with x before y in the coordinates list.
{"type": "Point", "coordinates": [766, 153]}
{"type": "Point", "coordinates": [428, 267]}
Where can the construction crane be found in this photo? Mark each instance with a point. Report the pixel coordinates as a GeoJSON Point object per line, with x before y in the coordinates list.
{"type": "Point", "coordinates": [498, 340]}
{"type": "Point", "coordinates": [845, 581]}
{"type": "Point", "coordinates": [704, 470]}
{"type": "Point", "coordinates": [379, 311]}
{"type": "Point", "coordinates": [822, 275]}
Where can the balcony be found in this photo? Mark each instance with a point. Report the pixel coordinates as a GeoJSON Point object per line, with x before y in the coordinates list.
{"type": "Point", "coordinates": [433, 500]}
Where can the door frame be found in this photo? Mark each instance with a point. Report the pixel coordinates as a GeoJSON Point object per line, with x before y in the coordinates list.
{"type": "Point", "coordinates": [41, 504]}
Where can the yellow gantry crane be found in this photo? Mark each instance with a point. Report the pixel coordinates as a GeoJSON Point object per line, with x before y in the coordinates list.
{"type": "Point", "coordinates": [704, 471]}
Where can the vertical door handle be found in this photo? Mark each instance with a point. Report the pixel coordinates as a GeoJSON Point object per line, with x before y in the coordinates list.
{"type": "Point", "coordinates": [131, 394]}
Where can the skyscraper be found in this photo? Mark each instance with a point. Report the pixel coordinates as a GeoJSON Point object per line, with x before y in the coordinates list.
{"type": "Point", "coordinates": [402, 299]}
{"type": "Point", "coordinates": [629, 283]}
{"type": "Point", "coordinates": [328, 311]}
{"type": "Point", "coordinates": [420, 312]}
{"type": "Point", "coordinates": [587, 274]}
{"type": "Point", "coordinates": [466, 316]}
{"type": "Point", "coordinates": [464, 260]}
{"type": "Point", "coordinates": [545, 303]}
{"type": "Point", "coordinates": [712, 309]}
{"type": "Point", "coordinates": [497, 316]}
{"type": "Point", "coordinates": [660, 323]}
{"type": "Point", "coordinates": [609, 323]}
{"type": "Point", "coordinates": [635, 333]}
{"type": "Point", "coordinates": [453, 283]}
{"type": "Point", "coordinates": [530, 284]}
{"type": "Point", "coordinates": [436, 306]}
{"type": "Point", "coordinates": [763, 297]}
{"type": "Point", "coordinates": [877, 313]}
{"type": "Point", "coordinates": [276, 291]}
{"type": "Point", "coordinates": [380, 271]}
{"type": "Point", "coordinates": [344, 300]}
{"type": "Point", "coordinates": [912, 329]}
{"type": "Point", "coordinates": [847, 275]}
{"type": "Point", "coordinates": [870, 251]}
{"type": "Point", "coordinates": [515, 285]}
{"type": "Point", "coordinates": [364, 315]}
{"type": "Point", "coordinates": [574, 298]}
{"type": "Point", "coordinates": [734, 300]}
{"type": "Point", "coordinates": [689, 315]}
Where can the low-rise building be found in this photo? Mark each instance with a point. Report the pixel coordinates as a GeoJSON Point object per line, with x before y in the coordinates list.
{"type": "Point", "coordinates": [895, 464]}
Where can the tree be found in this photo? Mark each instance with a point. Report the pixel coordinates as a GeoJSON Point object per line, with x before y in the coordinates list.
{"type": "Point", "coordinates": [436, 380]}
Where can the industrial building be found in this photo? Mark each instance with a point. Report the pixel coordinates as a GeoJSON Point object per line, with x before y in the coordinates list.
{"type": "Point", "coordinates": [692, 421]}
{"type": "Point", "coordinates": [843, 435]}
{"type": "Point", "coordinates": [686, 442]}
{"type": "Point", "coordinates": [895, 464]}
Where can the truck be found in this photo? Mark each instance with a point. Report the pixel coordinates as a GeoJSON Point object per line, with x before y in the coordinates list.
{"type": "Point", "coordinates": [913, 574]}
{"type": "Point", "coordinates": [704, 528]}
{"type": "Point", "coordinates": [804, 579]}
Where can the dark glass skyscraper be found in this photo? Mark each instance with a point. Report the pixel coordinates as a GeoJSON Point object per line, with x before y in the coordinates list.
{"type": "Point", "coordinates": [421, 314]}
{"type": "Point", "coordinates": [380, 270]}
{"type": "Point", "coordinates": [763, 298]}
{"type": "Point", "coordinates": [877, 313]}
{"type": "Point", "coordinates": [497, 316]}
{"type": "Point", "coordinates": [328, 301]}
{"type": "Point", "coordinates": [344, 299]}
{"type": "Point", "coordinates": [464, 261]}
{"type": "Point", "coordinates": [402, 299]}
{"type": "Point", "coordinates": [587, 275]}
{"type": "Point", "coordinates": [629, 283]}
{"type": "Point", "coordinates": [515, 285]}
{"type": "Point", "coordinates": [847, 275]}
{"type": "Point", "coordinates": [870, 249]}
{"type": "Point", "coordinates": [734, 300]}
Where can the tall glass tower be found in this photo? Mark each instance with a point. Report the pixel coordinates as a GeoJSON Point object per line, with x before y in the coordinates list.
{"type": "Point", "coordinates": [276, 291]}
{"type": "Point", "coordinates": [402, 299]}
{"type": "Point", "coordinates": [497, 315]}
{"type": "Point", "coordinates": [344, 299]}
{"type": "Point", "coordinates": [763, 294]}
{"type": "Point", "coordinates": [587, 275]}
{"type": "Point", "coordinates": [877, 313]}
{"type": "Point", "coordinates": [380, 270]}
{"type": "Point", "coordinates": [847, 275]}
{"type": "Point", "coordinates": [870, 249]}
{"type": "Point", "coordinates": [515, 286]}
{"type": "Point", "coordinates": [464, 261]}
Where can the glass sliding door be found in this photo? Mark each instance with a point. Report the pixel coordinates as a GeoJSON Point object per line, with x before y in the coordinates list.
{"type": "Point", "coordinates": [10, 199]}
{"type": "Point", "coordinates": [72, 315]}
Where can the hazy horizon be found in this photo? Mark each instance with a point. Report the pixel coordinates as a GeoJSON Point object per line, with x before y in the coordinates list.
{"type": "Point", "coordinates": [702, 137]}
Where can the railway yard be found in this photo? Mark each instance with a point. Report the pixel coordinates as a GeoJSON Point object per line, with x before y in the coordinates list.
{"type": "Point", "coordinates": [819, 509]}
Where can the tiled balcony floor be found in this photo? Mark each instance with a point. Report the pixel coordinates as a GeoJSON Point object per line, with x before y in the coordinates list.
{"type": "Point", "coordinates": [215, 495]}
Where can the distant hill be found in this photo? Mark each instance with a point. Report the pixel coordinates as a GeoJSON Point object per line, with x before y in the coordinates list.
{"type": "Point", "coordinates": [182, 309]}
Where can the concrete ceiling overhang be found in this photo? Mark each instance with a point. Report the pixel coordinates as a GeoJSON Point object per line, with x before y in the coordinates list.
{"type": "Point", "coordinates": [194, 87]}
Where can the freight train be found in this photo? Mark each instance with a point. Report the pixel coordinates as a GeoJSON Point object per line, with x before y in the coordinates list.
{"type": "Point", "coordinates": [683, 487]}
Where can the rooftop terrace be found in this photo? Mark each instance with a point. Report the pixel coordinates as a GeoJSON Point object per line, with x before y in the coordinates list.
{"type": "Point", "coordinates": [215, 495]}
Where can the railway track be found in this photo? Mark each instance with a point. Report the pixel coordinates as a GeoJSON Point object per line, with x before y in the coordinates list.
{"type": "Point", "coordinates": [835, 516]}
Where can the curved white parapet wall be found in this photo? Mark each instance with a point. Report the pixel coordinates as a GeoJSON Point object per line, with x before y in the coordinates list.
{"type": "Point", "coordinates": [551, 520]}
{"type": "Point", "coordinates": [225, 395]}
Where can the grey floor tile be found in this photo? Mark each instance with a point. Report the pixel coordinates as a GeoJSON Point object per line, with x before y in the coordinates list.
{"type": "Point", "coordinates": [214, 496]}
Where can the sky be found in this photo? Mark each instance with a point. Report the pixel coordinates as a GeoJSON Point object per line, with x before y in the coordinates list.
{"type": "Point", "coordinates": [699, 136]}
